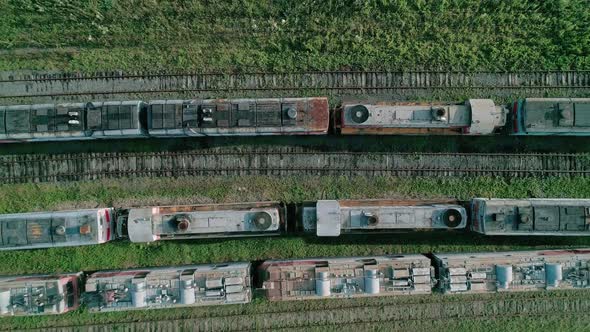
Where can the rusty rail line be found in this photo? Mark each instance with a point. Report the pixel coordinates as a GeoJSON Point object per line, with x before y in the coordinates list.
{"type": "Point", "coordinates": [284, 161]}
{"type": "Point", "coordinates": [330, 82]}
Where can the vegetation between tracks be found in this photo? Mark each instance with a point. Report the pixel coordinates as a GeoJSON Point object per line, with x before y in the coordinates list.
{"type": "Point", "coordinates": [499, 304]}
{"type": "Point", "coordinates": [285, 35]}
{"type": "Point", "coordinates": [16, 198]}
{"type": "Point", "coordinates": [38, 197]}
{"type": "Point", "coordinates": [124, 193]}
{"type": "Point", "coordinates": [254, 35]}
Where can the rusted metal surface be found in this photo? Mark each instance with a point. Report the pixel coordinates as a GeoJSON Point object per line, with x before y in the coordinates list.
{"type": "Point", "coordinates": [319, 118]}
{"type": "Point", "coordinates": [89, 119]}
{"type": "Point", "coordinates": [346, 277]}
{"type": "Point", "coordinates": [216, 221]}
{"type": "Point", "coordinates": [55, 229]}
{"type": "Point", "coordinates": [401, 131]}
{"type": "Point", "coordinates": [168, 287]}
{"type": "Point", "coordinates": [475, 116]}
{"type": "Point", "coordinates": [531, 217]}
{"type": "Point", "coordinates": [39, 294]}
{"type": "Point", "coordinates": [512, 271]}
{"type": "Point", "coordinates": [212, 207]}
{"type": "Point", "coordinates": [388, 202]}
{"type": "Point", "coordinates": [331, 218]}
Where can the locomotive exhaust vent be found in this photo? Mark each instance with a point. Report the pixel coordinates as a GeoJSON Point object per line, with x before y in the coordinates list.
{"type": "Point", "coordinates": [207, 114]}
{"type": "Point", "coordinates": [183, 223]}
{"type": "Point", "coordinates": [292, 113]}
{"type": "Point", "coordinates": [525, 218]}
{"type": "Point", "coordinates": [359, 113]}
{"type": "Point", "coordinates": [60, 230]}
{"type": "Point", "coordinates": [452, 218]}
{"type": "Point", "coordinates": [439, 114]}
{"type": "Point", "coordinates": [370, 218]}
{"type": "Point", "coordinates": [74, 118]}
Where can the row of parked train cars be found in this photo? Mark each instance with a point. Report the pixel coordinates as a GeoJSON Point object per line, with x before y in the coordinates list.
{"type": "Point", "coordinates": [279, 280]}
{"type": "Point", "coordinates": [288, 116]}
{"type": "Point", "coordinates": [294, 279]}
{"type": "Point", "coordinates": [324, 218]}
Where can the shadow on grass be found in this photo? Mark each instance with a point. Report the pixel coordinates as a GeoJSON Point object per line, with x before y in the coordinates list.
{"type": "Point", "coordinates": [466, 144]}
{"type": "Point", "coordinates": [416, 238]}
{"type": "Point", "coordinates": [446, 238]}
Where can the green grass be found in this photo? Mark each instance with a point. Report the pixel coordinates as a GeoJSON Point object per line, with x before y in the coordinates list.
{"type": "Point", "coordinates": [261, 306]}
{"type": "Point", "coordinates": [289, 189]}
{"type": "Point", "coordinates": [124, 193]}
{"type": "Point", "coordinates": [568, 323]}
{"type": "Point", "coordinates": [102, 35]}
{"type": "Point", "coordinates": [251, 35]}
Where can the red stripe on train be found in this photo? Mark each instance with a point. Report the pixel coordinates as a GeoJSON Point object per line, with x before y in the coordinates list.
{"type": "Point", "coordinates": [108, 218]}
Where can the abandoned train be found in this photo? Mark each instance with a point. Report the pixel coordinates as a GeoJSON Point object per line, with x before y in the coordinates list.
{"type": "Point", "coordinates": [299, 279]}
{"type": "Point", "coordinates": [324, 218]}
{"type": "Point", "coordinates": [288, 116]}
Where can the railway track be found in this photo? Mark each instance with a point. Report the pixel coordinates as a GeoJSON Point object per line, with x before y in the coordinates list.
{"type": "Point", "coordinates": [283, 161]}
{"type": "Point", "coordinates": [360, 314]}
{"type": "Point", "coordinates": [329, 82]}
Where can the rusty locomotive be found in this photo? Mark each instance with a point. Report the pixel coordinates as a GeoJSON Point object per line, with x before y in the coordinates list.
{"type": "Point", "coordinates": [164, 118]}
{"type": "Point", "coordinates": [295, 279]}
{"type": "Point", "coordinates": [324, 218]}
{"type": "Point", "coordinates": [289, 116]}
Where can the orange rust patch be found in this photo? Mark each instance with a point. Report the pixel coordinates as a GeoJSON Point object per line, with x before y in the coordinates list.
{"type": "Point", "coordinates": [397, 103]}
{"type": "Point", "coordinates": [35, 230]}
{"type": "Point", "coordinates": [319, 111]}
{"type": "Point", "coordinates": [85, 229]}
{"type": "Point", "coordinates": [394, 202]}
{"type": "Point", "coordinates": [213, 207]}
{"type": "Point", "coordinates": [400, 131]}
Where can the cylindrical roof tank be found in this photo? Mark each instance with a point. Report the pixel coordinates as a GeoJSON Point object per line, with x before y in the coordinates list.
{"type": "Point", "coordinates": [5, 302]}
{"type": "Point", "coordinates": [187, 292]}
{"type": "Point", "coordinates": [322, 284]}
{"type": "Point", "coordinates": [372, 285]}
{"type": "Point", "coordinates": [138, 295]}
{"type": "Point", "coordinates": [504, 276]}
{"type": "Point", "coordinates": [553, 274]}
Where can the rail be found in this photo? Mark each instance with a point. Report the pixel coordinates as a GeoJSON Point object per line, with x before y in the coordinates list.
{"type": "Point", "coordinates": [285, 161]}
